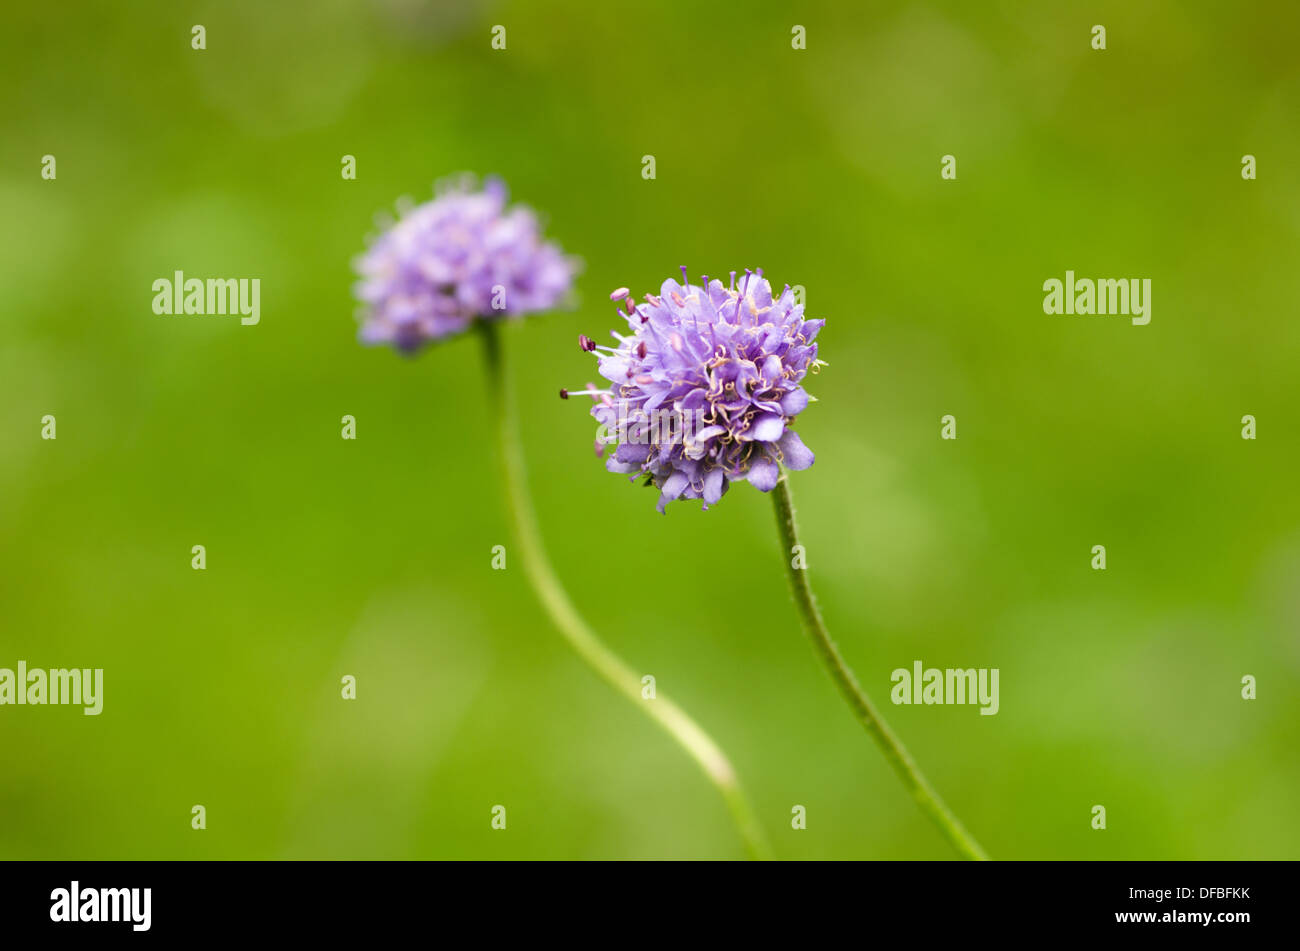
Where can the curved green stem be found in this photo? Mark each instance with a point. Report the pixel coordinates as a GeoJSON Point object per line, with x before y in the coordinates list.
{"type": "Point", "coordinates": [862, 706]}
{"type": "Point", "coordinates": [579, 635]}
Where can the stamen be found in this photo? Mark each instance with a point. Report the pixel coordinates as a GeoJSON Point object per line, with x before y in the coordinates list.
{"type": "Point", "coordinates": [586, 343]}
{"type": "Point", "coordinates": [619, 294]}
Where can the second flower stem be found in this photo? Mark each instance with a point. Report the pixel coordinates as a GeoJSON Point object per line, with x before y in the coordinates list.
{"type": "Point", "coordinates": [577, 633]}
{"type": "Point", "coordinates": [857, 698]}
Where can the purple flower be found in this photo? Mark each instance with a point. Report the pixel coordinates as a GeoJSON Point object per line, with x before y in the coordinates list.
{"type": "Point", "coordinates": [706, 386]}
{"type": "Point", "coordinates": [461, 256]}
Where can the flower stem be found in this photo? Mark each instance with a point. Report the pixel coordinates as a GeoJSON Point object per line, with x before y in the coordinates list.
{"type": "Point", "coordinates": [857, 698]}
{"type": "Point", "coordinates": [577, 633]}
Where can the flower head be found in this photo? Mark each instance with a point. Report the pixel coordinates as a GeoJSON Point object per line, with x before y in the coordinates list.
{"type": "Point", "coordinates": [461, 256]}
{"type": "Point", "coordinates": [705, 388]}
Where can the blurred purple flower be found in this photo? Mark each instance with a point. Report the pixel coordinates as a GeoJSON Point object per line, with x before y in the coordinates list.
{"type": "Point", "coordinates": [705, 388]}
{"type": "Point", "coordinates": [461, 256]}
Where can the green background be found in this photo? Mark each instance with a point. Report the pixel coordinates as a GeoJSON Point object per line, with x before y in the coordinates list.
{"type": "Point", "coordinates": [372, 557]}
